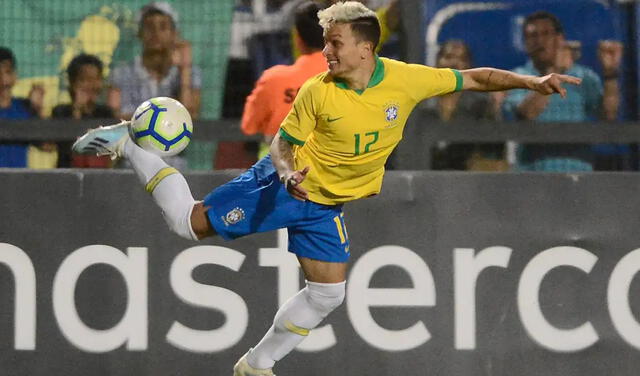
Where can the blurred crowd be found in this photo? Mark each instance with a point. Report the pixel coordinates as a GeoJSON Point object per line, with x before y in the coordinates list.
{"type": "Point", "coordinates": [276, 45]}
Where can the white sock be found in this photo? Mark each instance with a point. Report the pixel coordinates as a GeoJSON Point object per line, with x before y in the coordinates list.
{"type": "Point", "coordinates": [167, 186]}
{"type": "Point", "coordinates": [145, 164]}
{"type": "Point", "coordinates": [294, 319]}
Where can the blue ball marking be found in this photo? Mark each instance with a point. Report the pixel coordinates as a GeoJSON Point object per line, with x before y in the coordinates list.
{"type": "Point", "coordinates": [150, 131]}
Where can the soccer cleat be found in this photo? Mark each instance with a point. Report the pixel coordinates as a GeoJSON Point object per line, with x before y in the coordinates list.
{"type": "Point", "coordinates": [104, 140]}
{"type": "Point", "coordinates": [242, 368]}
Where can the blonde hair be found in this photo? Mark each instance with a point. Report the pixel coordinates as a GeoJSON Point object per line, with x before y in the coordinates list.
{"type": "Point", "coordinates": [345, 11]}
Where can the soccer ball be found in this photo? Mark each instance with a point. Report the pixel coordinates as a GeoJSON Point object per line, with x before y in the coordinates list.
{"type": "Point", "coordinates": [162, 126]}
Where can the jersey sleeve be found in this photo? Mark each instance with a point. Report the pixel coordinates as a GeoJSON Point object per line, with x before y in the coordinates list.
{"type": "Point", "coordinates": [425, 82]}
{"type": "Point", "coordinates": [301, 120]}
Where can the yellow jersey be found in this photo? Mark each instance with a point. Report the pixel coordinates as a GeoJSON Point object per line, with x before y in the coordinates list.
{"type": "Point", "coordinates": [345, 136]}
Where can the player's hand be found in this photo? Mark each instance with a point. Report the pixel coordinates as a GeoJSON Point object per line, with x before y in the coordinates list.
{"type": "Point", "coordinates": [292, 182]}
{"type": "Point", "coordinates": [552, 83]}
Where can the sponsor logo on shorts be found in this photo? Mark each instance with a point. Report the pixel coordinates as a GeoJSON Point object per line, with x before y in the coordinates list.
{"type": "Point", "coordinates": [234, 216]}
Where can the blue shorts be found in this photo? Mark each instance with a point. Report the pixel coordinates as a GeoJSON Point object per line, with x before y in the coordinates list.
{"type": "Point", "coordinates": [257, 201]}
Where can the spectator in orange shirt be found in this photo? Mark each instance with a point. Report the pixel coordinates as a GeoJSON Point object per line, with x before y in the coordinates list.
{"type": "Point", "coordinates": [275, 90]}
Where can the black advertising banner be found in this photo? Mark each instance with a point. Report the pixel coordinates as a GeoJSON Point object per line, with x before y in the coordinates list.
{"type": "Point", "coordinates": [451, 274]}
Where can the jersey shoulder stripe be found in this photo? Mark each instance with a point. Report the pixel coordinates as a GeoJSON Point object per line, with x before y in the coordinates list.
{"type": "Point", "coordinates": [290, 138]}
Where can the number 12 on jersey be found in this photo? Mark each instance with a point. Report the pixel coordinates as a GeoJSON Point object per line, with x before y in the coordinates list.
{"type": "Point", "coordinates": [372, 137]}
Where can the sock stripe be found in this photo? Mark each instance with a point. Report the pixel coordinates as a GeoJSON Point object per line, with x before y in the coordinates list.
{"type": "Point", "coordinates": [163, 173]}
{"type": "Point", "coordinates": [296, 329]}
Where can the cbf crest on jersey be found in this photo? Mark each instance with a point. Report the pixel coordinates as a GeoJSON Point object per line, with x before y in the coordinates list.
{"type": "Point", "coordinates": [391, 110]}
{"type": "Point", "coordinates": [233, 216]}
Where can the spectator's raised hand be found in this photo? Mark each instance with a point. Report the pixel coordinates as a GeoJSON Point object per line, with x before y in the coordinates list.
{"type": "Point", "coordinates": [36, 98]}
{"type": "Point", "coordinates": [552, 83]}
{"type": "Point", "coordinates": [182, 56]}
{"type": "Point", "coordinates": [610, 56]}
{"type": "Point", "coordinates": [564, 60]}
{"type": "Point", "coordinates": [81, 101]}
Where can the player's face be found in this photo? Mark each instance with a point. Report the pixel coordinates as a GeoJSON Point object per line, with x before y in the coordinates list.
{"type": "Point", "coordinates": [343, 50]}
{"type": "Point", "coordinates": [542, 42]}
{"type": "Point", "coordinates": [157, 32]}
{"type": "Point", "coordinates": [7, 76]}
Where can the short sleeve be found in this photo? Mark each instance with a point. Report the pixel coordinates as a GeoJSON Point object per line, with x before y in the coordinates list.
{"type": "Point", "coordinates": [301, 120]}
{"type": "Point", "coordinates": [425, 82]}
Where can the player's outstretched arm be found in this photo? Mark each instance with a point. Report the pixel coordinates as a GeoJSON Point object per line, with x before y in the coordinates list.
{"type": "Point", "coordinates": [491, 79]}
{"type": "Point", "coordinates": [282, 158]}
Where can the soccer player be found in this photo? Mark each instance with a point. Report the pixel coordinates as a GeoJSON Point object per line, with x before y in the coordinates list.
{"type": "Point", "coordinates": [331, 149]}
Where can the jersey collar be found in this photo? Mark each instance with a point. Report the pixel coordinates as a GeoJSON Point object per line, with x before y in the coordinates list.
{"type": "Point", "coordinates": [376, 77]}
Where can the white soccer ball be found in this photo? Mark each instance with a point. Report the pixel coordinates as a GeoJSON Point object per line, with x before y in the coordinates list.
{"type": "Point", "coordinates": [162, 126]}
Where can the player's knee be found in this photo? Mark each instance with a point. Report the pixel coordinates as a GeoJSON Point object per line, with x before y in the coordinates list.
{"type": "Point", "coordinates": [178, 218]}
{"type": "Point", "coordinates": [200, 223]}
{"type": "Point", "coordinates": [325, 297]}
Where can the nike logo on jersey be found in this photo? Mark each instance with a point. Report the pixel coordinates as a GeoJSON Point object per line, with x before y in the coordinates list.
{"type": "Point", "coordinates": [331, 120]}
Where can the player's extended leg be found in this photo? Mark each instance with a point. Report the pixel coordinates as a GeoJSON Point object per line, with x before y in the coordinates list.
{"type": "Point", "coordinates": [324, 292]}
{"type": "Point", "coordinates": [167, 186]}
{"type": "Point", "coordinates": [170, 191]}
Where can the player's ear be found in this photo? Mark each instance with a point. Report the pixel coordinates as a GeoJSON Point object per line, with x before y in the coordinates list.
{"type": "Point", "coordinates": [364, 48]}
